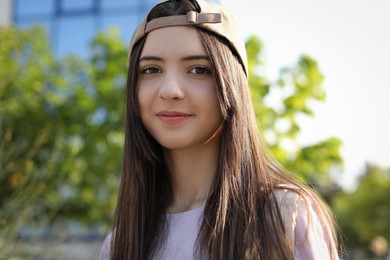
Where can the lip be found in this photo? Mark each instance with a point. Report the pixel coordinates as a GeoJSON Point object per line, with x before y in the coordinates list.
{"type": "Point", "coordinates": [173, 116]}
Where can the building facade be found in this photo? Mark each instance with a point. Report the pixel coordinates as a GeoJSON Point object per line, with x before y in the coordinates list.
{"type": "Point", "coordinates": [71, 24]}
{"type": "Point", "coordinates": [5, 12]}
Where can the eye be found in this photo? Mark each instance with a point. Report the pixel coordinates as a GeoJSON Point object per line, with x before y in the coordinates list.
{"type": "Point", "coordinates": [150, 70]}
{"type": "Point", "coordinates": [200, 70]}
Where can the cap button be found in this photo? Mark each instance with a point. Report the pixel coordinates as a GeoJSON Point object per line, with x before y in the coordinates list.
{"type": "Point", "coordinates": [192, 17]}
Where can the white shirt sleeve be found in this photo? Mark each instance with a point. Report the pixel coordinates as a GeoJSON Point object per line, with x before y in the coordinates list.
{"type": "Point", "coordinates": [310, 241]}
{"type": "Point", "coordinates": [105, 252]}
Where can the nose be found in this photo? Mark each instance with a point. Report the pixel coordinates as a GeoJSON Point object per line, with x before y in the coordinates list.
{"type": "Point", "coordinates": [170, 88]}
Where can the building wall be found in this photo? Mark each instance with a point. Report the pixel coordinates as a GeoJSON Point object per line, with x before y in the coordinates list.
{"type": "Point", "coordinates": [5, 12]}
{"type": "Point", "coordinates": [71, 24]}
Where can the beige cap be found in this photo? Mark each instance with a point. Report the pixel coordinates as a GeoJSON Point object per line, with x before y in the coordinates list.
{"type": "Point", "coordinates": [212, 17]}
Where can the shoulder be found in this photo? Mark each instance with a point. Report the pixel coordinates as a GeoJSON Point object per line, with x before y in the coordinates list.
{"type": "Point", "coordinates": [287, 195]}
{"type": "Point", "coordinates": [287, 199]}
{"type": "Point", "coordinates": [105, 251]}
{"type": "Point", "coordinates": [305, 223]}
{"type": "Point", "coordinates": [297, 204]}
{"type": "Point", "coordinates": [313, 235]}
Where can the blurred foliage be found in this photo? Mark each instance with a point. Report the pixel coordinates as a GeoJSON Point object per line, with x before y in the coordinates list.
{"type": "Point", "coordinates": [364, 214]}
{"type": "Point", "coordinates": [61, 127]}
{"type": "Point", "coordinates": [296, 88]}
{"type": "Point", "coordinates": [60, 130]}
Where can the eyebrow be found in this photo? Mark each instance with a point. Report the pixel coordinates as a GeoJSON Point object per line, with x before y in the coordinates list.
{"type": "Point", "coordinates": [196, 57]}
{"type": "Point", "coordinates": [150, 58]}
{"type": "Point", "coordinates": [187, 58]}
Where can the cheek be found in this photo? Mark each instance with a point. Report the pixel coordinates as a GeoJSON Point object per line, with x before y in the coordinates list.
{"type": "Point", "coordinates": [143, 97]}
{"type": "Point", "coordinates": [212, 99]}
{"type": "Point", "coordinates": [146, 91]}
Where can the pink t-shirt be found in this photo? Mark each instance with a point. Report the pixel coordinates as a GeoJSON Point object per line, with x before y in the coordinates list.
{"type": "Point", "coordinates": [183, 229]}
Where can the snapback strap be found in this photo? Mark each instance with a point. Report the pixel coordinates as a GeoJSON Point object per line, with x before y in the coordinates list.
{"type": "Point", "coordinates": [191, 18]}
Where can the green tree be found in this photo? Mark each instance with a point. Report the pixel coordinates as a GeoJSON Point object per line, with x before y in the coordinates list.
{"type": "Point", "coordinates": [60, 130]}
{"type": "Point", "coordinates": [364, 213]}
{"type": "Point", "coordinates": [29, 149]}
{"type": "Point", "coordinates": [295, 88]}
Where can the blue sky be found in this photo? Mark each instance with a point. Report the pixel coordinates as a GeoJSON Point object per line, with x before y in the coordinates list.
{"type": "Point", "coordinates": [350, 39]}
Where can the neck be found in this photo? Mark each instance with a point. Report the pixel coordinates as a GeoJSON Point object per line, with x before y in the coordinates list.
{"type": "Point", "coordinates": [192, 172]}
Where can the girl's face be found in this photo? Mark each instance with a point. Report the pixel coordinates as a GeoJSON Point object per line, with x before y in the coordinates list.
{"type": "Point", "coordinates": [176, 89]}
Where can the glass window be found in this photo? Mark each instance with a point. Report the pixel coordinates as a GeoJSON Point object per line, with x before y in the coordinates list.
{"type": "Point", "coordinates": [71, 5]}
{"type": "Point", "coordinates": [145, 8]}
{"type": "Point", "coordinates": [151, 2]}
{"type": "Point", "coordinates": [107, 4]}
{"type": "Point", "coordinates": [28, 7]}
{"type": "Point", "coordinates": [74, 35]}
{"type": "Point", "coordinates": [125, 23]}
{"type": "Point", "coordinates": [45, 23]}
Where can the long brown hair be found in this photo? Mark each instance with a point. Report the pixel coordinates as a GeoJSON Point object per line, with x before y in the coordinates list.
{"type": "Point", "coordinates": [241, 219]}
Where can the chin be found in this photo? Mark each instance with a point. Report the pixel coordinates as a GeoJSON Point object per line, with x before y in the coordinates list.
{"type": "Point", "coordinates": [173, 146]}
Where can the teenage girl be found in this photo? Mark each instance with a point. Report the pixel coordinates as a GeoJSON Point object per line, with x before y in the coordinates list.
{"type": "Point", "coordinates": [197, 182]}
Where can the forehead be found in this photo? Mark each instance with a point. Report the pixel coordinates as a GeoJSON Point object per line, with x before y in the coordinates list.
{"type": "Point", "coordinates": [173, 41]}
